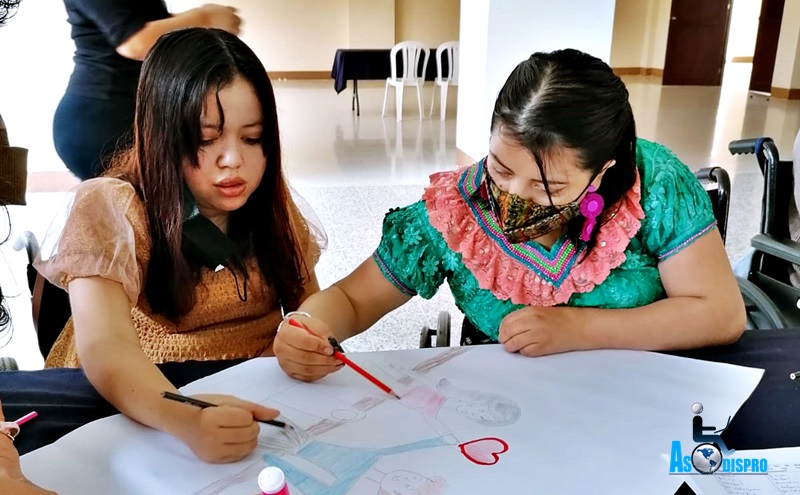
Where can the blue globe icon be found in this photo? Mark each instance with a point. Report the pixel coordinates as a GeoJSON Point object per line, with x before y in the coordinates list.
{"type": "Point", "coordinates": [706, 458]}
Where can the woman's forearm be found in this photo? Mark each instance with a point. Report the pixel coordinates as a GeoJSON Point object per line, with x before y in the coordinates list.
{"type": "Point", "coordinates": [137, 46]}
{"type": "Point", "coordinates": [129, 380]}
{"type": "Point", "coordinates": [334, 308]}
{"type": "Point", "coordinates": [356, 302]}
{"type": "Point", "coordinates": [669, 324]}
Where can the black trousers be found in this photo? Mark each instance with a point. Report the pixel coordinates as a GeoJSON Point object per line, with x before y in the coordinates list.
{"type": "Point", "coordinates": [65, 400]}
{"type": "Point", "coordinates": [87, 131]}
{"type": "Point", "coordinates": [472, 336]}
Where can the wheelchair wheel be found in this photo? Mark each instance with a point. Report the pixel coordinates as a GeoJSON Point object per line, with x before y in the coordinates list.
{"type": "Point", "coordinates": [425, 337]}
{"type": "Point", "coordinates": [443, 332]}
{"type": "Point", "coordinates": [762, 313]}
{"type": "Point", "coordinates": [8, 364]}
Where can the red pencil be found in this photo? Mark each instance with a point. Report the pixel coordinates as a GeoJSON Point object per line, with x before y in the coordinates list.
{"type": "Point", "coordinates": [358, 369]}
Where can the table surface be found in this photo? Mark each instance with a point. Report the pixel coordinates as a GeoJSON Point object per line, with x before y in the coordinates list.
{"type": "Point", "coordinates": [769, 418]}
{"type": "Point", "coordinates": [66, 400]}
{"type": "Point", "coordinates": [577, 406]}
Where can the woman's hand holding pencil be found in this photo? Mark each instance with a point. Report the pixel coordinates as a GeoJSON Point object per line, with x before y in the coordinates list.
{"type": "Point", "coordinates": [226, 432]}
{"type": "Point", "coordinates": [335, 349]}
{"type": "Point", "coordinates": [303, 349]}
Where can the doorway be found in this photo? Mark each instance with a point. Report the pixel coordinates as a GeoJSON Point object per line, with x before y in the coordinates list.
{"type": "Point", "coordinates": [766, 49]}
{"type": "Point", "coordinates": [696, 42]}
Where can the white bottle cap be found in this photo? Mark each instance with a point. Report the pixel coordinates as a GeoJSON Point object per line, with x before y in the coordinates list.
{"type": "Point", "coordinates": [271, 480]}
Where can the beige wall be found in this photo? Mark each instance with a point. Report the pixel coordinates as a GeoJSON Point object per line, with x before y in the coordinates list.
{"type": "Point", "coordinates": [640, 33]}
{"type": "Point", "coordinates": [659, 26]}
{"type": "Point", "coordinates": [371, 23]}
{"type": "Point", "coordinates": [296, 35]}
{"type": "Point", "coordinates": [787, 62]}
{"type": "Point", "coordinates": [629, 41]}
{"type": "Point", "coordinates": [430, 21]}
{"type": "Point", "coordinates": [496, 35]}
{"type": "Point", "coordinates": [303, 35]}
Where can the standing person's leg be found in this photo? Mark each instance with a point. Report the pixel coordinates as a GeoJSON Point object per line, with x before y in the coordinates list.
{"type": "Point", "coordinates": [87, 132]}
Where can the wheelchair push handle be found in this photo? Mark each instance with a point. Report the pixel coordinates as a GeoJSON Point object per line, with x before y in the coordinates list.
{"type": "Point", "coordinates": [709, 174]}
{"type": "Point", "coordinates": [743, 146]}
{"type": "Point", "coordinates": [765, 150]}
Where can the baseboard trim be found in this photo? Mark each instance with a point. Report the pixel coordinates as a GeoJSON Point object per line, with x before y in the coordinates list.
{"type": "Point", "coordinates": [638, 71]}
{"type": "Point", "coordinates": [463, 159]}
{"type": "Point", "coordinates": [300, 74]}
{"type": "Point", "coordinates": [785, 93]}
{"type": "Point", "coordinates": [742, 60]}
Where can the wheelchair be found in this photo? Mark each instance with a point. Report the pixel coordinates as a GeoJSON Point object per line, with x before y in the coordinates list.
{"type": "Point", "coordinates": [8, 364]}
{"type": "Point", "coordinates": [770, 300]}
{"type": "Point", "coordinates": [47, 323]}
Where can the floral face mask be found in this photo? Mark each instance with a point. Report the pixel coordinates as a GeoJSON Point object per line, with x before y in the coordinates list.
{"type": "Point", "coordinates": [522, 220]}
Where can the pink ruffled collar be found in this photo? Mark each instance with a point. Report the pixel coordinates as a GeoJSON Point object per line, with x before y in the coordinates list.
{"type": "Point", "coordinates": [525, 273]}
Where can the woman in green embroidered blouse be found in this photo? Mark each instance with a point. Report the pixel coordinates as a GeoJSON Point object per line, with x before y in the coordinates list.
{"type": "Point", "coordinates": [571, 234]}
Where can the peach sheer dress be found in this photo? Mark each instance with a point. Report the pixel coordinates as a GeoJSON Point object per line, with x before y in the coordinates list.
{"type": "Point", "coordinates": [106, 235]}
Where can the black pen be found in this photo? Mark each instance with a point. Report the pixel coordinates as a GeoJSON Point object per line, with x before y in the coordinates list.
{"type": "Point", "coordinates": [203, 404]}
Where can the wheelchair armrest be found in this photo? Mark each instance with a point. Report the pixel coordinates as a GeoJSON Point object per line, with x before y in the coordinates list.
{"type": "Point", "coordinates": [785, 249]}
{"type": "Point", "coordinates": [756, 297]}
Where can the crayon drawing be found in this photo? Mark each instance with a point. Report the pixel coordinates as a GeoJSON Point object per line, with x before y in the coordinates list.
{"type": "Point", "coordinates": [470, 421]}
{"type": "Point", "coordinates": [319, 457]}
{"type": "Point", "coordinates": [402, 482]}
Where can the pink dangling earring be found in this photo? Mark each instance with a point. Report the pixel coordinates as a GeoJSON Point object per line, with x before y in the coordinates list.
{"type": "Point", "coordinates": [591, 207]}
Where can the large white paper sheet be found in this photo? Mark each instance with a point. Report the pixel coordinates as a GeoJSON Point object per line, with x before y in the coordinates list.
{"type": "Point", "coordinates": [471, 420]}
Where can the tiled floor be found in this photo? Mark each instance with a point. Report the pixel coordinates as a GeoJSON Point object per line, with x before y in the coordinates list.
{"type": "Point", "coordinates": [352, 169]}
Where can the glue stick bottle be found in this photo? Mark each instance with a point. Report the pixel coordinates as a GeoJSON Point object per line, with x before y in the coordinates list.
{"type": "Point", "coordinates": [272, 481]}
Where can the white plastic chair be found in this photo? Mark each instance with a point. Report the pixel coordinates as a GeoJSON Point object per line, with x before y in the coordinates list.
{"type": "Point", "coordinates": [412, 52]}
{"type": "Point", "coordinates": [450, 50]}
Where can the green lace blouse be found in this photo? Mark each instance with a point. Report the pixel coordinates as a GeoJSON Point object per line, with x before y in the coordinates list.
{"type": "Point", "coordinates": [451, 235]}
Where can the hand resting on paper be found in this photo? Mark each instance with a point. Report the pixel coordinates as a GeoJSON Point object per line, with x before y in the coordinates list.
{"type": "Point", "coordinates": [226, 433]}
{"type": "Point", "coordinates": [539, 331]}
{"type": "Point", "coordinates": [304, 353]}
{"type": "Point", "coordinates": [12, 481]}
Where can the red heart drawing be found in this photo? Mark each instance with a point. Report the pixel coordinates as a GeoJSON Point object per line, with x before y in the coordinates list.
{"type": "Point", "coordinates": [484, 451]}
